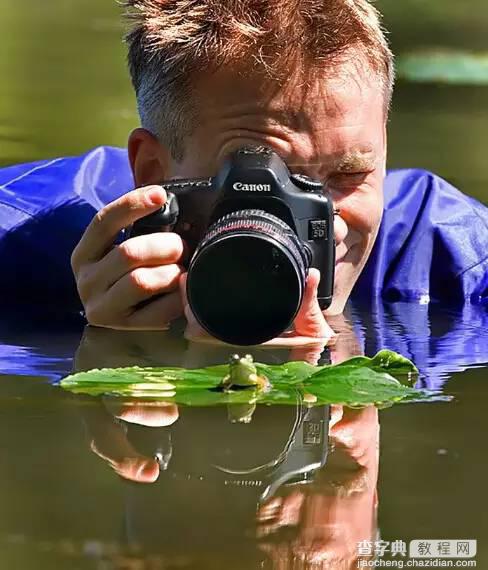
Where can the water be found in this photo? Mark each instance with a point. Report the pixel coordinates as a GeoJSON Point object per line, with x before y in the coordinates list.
{"type": "Point", "coordinates": [67, 496]}
{"type": "Point", "coordinates": [63, 506]}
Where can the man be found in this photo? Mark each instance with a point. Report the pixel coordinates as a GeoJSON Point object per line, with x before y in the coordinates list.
{"type": "Point", "coordinates": [326, 119]}
{"type": "Point", "coordinates": [313, 81]}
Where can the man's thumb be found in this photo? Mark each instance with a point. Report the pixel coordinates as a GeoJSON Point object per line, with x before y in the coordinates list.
{"type": "Point", "coordinates": [310, 320]}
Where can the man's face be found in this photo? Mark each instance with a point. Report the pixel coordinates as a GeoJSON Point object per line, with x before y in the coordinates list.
{"type": "Point", "coordinates": [333, 131]}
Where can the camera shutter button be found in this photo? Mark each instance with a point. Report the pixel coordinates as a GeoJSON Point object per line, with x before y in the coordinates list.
{"type": "Point", "coordinates": [307, 184]}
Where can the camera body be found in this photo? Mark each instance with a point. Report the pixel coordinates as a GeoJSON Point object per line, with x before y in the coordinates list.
{"type": "Point", "coordinates": [296, 446]}
{"type": "Point", "coordinates": [253, 195]}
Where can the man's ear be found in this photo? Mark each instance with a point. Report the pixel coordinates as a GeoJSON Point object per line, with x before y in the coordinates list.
{"type": "Point", "coordinates": [149, 159]}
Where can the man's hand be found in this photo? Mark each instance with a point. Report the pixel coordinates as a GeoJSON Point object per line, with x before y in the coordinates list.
{"type": "Point", "coordinates": [337, 510]}
{"type": "Point", "coordinates": [108, 437]}
{"type": "Point", "coordinates": [113, 281]}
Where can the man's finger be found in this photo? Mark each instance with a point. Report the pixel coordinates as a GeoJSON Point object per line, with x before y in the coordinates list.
{"type": "Point", "coordinates": [144, 413]}
{"type": "Point", "coordinates": [310, 321]}
{"type": "Point", "coordinates": [140, 285]}
{"type": "Point", "coordinates": [182, 285]}
{"type": "Point", "coordinates": [156, 315]}
{"type": "Point", "coordinates": [109, 441]}
{"type": "Point", "coordinates": [110, 220]}
{"type": "Point", "coordinates": [142, 251]}
{"type": "Point", "coordinates": [193, 331]}
{"type": "Point", "coordinates": [357, 431]}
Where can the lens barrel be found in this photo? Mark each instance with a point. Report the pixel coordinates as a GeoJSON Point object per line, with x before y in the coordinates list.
{"type": "Point", "coordinates": [247, 277]}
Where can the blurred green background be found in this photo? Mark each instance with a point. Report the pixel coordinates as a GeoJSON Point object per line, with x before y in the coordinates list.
{"type": "Point", "coordinates": [65, 88]}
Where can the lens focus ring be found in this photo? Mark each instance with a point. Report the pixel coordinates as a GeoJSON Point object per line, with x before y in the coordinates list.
{"type": "Point", "coordinates": [259, 221]}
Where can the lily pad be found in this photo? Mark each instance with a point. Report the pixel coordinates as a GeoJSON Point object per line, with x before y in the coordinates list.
{"type": "Point", "coordinates": [360, 381]}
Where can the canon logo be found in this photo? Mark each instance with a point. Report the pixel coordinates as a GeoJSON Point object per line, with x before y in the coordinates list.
{"type": "Point", "coordinates": [241, 187]}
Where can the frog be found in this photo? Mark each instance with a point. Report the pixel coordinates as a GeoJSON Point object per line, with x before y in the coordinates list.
{"type": "Point", "coordinates": [241, 413]}
{"type": "Point", "coordinates": [243, 374]}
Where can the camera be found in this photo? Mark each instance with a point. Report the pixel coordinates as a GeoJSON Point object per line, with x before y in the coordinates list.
{"type": "Point", "coordinates": [294, 449]}
{"type": "Point", "coordinates": [253, 231]}
{"type": "Point", "coordinates": [212, 470]}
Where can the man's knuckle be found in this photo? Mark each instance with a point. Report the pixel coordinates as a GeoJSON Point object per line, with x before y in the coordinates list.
{"type": "Point", "coordinates": [95, 316]}
{"type": "Point", "coordinates": [87, 280]}
{"type": "Point", "coordinates": [140, 281]}
{"type": "Point", "coordinates": [100, 217]}
{"type": "Point", "coordinates": [74, 260]}
{"type": "Point", "coordinates": [131, 252]}
{"type": "Point", "coordinates": [133, 200]}
{"type": "Point", "coordinates": [84, 289]}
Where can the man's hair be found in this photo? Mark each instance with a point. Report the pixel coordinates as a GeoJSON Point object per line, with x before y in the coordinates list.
{"type": "Point", "coordinates": [172, 41]}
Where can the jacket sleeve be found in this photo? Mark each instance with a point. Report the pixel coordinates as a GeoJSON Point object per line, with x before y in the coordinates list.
{"type": "Point", "coordinates": [44, 210]}
{"type": "Point", "coordinates": [432, 244]}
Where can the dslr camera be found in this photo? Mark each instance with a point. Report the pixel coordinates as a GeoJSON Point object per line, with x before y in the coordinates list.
{"type": "Point", "coordinates": [253, 232]}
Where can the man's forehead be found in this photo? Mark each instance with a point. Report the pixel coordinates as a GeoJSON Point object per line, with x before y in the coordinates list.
{"type": "Point", "coordinates": [337, 123]}
{"type": "Point", "coordinates": [294, 101]}
{"type": "Point", "coordinates": [341, 129]}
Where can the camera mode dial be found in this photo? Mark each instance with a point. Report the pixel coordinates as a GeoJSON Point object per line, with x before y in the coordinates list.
{"type": "Point", "coordinates": [307, 184]}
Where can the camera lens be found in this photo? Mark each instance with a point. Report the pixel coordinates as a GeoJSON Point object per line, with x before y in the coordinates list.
{"type": "Point", "coordinates": [247, 277]}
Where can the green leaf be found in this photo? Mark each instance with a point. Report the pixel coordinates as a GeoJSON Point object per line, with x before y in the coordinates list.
{"type": "Point", "coordinates": [360, 381]}
{"type": "Point", "coordinates": [386, 361]}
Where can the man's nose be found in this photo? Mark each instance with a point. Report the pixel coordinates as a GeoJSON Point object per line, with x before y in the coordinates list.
{"type": "Point", "coordinates": [340, 229]}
